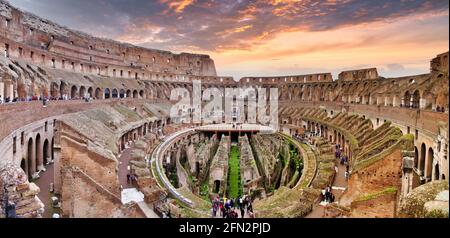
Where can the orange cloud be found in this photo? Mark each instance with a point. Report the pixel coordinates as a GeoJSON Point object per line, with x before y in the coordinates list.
{"type": "Point", "coordinates": [177, 5]}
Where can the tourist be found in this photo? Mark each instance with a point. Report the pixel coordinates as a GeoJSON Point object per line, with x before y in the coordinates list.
{"type": "Point", "coordinates": [128, 178]}
{"type": "Point", "coordinates": [336, 168]}
{"type": "Point", "coordinates": [249, 206]}
{"type": "Point", "coordinates": [214, 210]}
{"type": "Point", "coordinates": [242, 212]}
{"type": "Point", "coordinates": [1, 99]}
{"type": "Point", "coordinates": [346, 175]}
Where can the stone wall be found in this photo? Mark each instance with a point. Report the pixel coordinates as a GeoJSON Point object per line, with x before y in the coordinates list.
{"type": "Point", "coordinates": [52, 44]}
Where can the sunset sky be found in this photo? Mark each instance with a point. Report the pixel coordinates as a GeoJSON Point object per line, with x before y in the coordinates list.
{"type": "Point", "coordinates": [271, 37]}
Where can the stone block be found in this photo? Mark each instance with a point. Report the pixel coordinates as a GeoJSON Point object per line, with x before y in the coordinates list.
{"type": "Point", "coordinates": [33, 190]}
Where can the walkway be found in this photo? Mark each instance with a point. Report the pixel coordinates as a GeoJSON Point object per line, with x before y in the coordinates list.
{"type": "Point", "coordinates": [338, 188]}
{"type": "Point", "coordinates": [237, 128]}
{"type": "Point", "coordinates": [124, 159]}
{"type": "Point", "coordinates": [43, 182]}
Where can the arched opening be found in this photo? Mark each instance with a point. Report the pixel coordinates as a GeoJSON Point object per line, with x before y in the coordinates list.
{"type": "Point", "coordinates": [62, 89]}
{"type": "Point", "coordinates": [38, 151]}
{"type": "Point", "coordinates": [216, 186]}
{"type": "Point", "coordinates": [436, 172]}
{"type": "Point", "coordinates": [30, 158]}
{"type": "Point", "coordinates": [46, 150]}
{"type": "Point", "coordinates": [416, 99]}
{"type": "Point", "coordinates": [54, 90]}
{"type": "Point", "coordinates": [429, 167]}
{"type": "Point", "coordinates": [98, 93]}
{"type": "Point", "coordinates": [90, 92]}
{"type": "Point", "coordinates": [197, 168]}
{"type": "Point", "coordinates": [114, 93]}
{"type": "Point", "coordinates": [82, 92]}
{"type": "Point", "coordinates": [23, 166]}
{"type": "Point", "coordinates": [122, 93]}
{"type": "Point", "coordinates": [416, 158]}
{"type": "Point", "coordinates": [423, 150]}
{"type": "Point", "coordinates": [407, 99]}
{"type": "Point", "coordinates": [107, 93]}
{"type": "Point", "coordinates": [128, 93]}
{"type": "Point", "coordinates": [141, 94]}
{"type": "Point", "coordinates": [135, 94]}
{"type": "Point", "coordinates": [52, 154]}
{"type": "Point", "coordinates": [73, 92]}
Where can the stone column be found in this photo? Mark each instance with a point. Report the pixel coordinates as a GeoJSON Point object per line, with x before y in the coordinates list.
{"type": "Point", "coordinates": [407, 177]}
{"type": "Point", "coordinates": [422, 103]}
{"type": "Point", "coordinates": [11, 92]}
{"type": "Point", "coordinates": [394, 101]}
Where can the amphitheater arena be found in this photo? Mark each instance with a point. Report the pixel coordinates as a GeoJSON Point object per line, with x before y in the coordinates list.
{"type": "Point", "coordinates": [108, 116]}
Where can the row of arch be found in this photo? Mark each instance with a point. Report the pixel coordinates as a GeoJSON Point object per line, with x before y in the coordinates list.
{"type": "Point", "coordinates": [360, 94]}
{"type": "Point", "coordinates": [334, 136]}
{"type": "Point", "coordinates": [136, 133]}
{"type": "Point", "coordinates": [75, 92]}
{"type": "Point", "coordinates": [39, 153]}
{"type": "Point", "coordinates": [423, 163]}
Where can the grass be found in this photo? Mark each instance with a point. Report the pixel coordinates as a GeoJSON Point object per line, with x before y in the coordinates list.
{"type": "Point", "coordinates": [234, 177]}
{"type": "Point", "coordinates": [366, 197]}
{"type": "Point", "coordinates": [204, 190]}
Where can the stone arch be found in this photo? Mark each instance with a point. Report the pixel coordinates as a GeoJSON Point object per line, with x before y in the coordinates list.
{"type": "Point", "coordinates": [416, 157]}
{"type": "Point", "coordinates": [437, 174]}
{"type": "Point", "coordinates": [107, 93]}
{"type": "Point", "coordinates": [415, 99]}
{"type": "Point", "coordinates": [62, 88]}
{"type": "Point", "coordinates": [98, 93]}
{"type": "Point", "coordinates": [216, 186]}
{"type": "Point", "coordinates": [23, 165]}
{"type": "Point", "coordinates": [429, 164]}
{"type": "Point", "coordinates": [52, 153]}
{"type": "Point", "coordinates": [90, 92]}
{"type": "Point", "coordinates": [135, 94]}
{"type": "Point", "coordinates": [82, 92]}
{"type": "Point", "coordinates": [128, 93]}
{"type": "Point", "coordinates": [30, 158]}
{"type": "Point", "coordinates": [423, 150]}
{"type": "Point", "coordinates": [122, 93]}
{"type": "Point", "coordinates": [407, 99]}
{"type": "Point", "coordinates": [46, 151]}
{"type": "Point", "coordinates": [73, 92]}
{"type": "Point", "coordinates": [38, 152]}
{"type": "Point", "coordinates": [115, 93]}
{"type": "Point", "coordinates": [141, 93]}
{"type": "Point", "coordinates": [54, 90]}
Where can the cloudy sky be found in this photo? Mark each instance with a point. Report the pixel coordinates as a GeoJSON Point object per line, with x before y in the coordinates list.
{"type": "Point", "coordinates": [270, 37]}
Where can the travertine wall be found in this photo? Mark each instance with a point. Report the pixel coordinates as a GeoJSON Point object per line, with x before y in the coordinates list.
{"type": "Point", "coordinates": [42, 42]}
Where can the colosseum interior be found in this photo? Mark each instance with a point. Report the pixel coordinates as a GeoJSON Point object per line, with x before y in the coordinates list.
{"type": "Point", "coordinates": [87, 132]}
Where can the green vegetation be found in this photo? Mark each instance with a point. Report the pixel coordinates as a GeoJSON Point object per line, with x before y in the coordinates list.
{"type": "Point", "coordinates": [173, 177]}
{"type": "Point", "coordinates": [204, 190]}
{"type": "Point", "coordinates": [366, 197]}
{"type": "Point", "coordinates": [234, 177]}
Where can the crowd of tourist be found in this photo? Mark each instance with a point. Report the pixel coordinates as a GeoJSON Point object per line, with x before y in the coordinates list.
{"type": "Point", "coordinates": [43, 99]}
{"type": "Point", "coordinates": [343, 160]}
{"type": "Point", "coordinates": [229, 208]}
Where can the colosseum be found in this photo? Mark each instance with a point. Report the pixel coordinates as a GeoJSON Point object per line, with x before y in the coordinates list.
{"type": "Point", "coordinates": [93, 127]}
